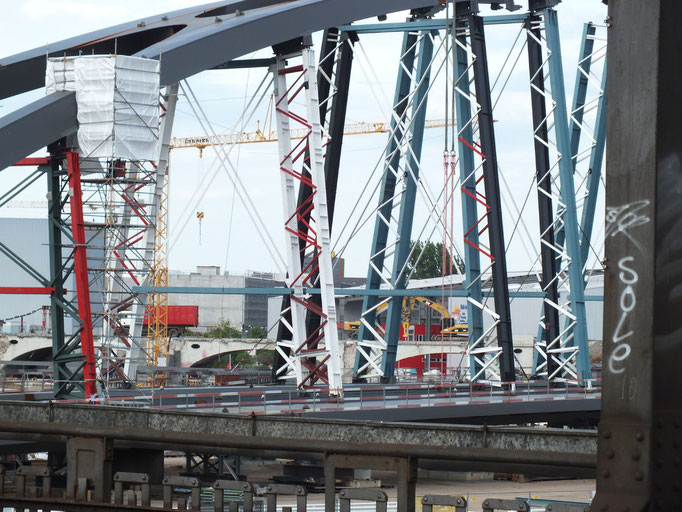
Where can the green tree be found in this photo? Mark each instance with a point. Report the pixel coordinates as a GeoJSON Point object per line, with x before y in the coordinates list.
{"type": "Point", "coordinates": [245, 359]}
{"type": "Point", "coordinates": [264, 359]}
{"type": "Point", "coordinates": [223, 330]}
{"type": "Point", "coordinates": [257, 333]}
{"type": "Point", "coordinates": [431, 262]}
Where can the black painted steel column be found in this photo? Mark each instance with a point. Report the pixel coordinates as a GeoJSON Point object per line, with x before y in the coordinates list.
{"type": "Point", "coordinates": [60, 372]}
{"type": "Point", "coordinates": [639, 452]}
{"type": "Point", "coordinates": [492, 192]}
{"type": "Point", "coordinates": [544, 179]}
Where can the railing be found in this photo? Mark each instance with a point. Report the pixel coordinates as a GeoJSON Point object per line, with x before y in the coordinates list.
{"type": "Point", "coordinates": [290, 401]}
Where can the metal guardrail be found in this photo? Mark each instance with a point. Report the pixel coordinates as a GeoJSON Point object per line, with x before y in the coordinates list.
{"type": "Point", "coordinates": [291, 401]}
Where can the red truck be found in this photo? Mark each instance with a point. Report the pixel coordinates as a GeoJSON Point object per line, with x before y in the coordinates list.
{"type": "Point", "coordinates": [179, 318]}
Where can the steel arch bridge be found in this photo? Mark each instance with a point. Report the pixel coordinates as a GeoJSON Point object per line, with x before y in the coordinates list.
{"type": "Point", "coordinates": [214, 36]}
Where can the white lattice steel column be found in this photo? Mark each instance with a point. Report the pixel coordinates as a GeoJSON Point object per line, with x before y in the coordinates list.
{"type": "Point", "coordinates": [326, 273]}
{"type": "Point", "coordinates": [287, 348]}
{"type": "Point", "coordinates": [308, 357]}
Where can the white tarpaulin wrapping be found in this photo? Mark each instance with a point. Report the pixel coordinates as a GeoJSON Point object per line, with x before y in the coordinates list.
{"type": "Point", "coordinates": [118, 103]}
{"type": "Point", "coordinates": [59, 75]}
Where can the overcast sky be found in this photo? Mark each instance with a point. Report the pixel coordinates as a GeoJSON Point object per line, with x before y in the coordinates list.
{"type": "Point", "coordinates": [227, 234]}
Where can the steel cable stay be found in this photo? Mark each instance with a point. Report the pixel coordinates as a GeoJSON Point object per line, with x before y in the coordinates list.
{"type": "Point", "coordinates": [423, 182]}
{"type": "Point", "coordinates": [420, 182]}
{"type": "Point", "coordinates": [243, 195]}
{"type": "Point", "coordinates": [206, 182]}
{"type": "Point", "coordinates": [214, 168]}
{"type": "Point", "coordinates": [373, 174]}
{"type": "Point", "coordinates": [370, 213]}
{"type": "Point", "coordinates": [234, 190]}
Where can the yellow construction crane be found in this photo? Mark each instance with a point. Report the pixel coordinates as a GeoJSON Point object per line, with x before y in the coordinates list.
{"type": "Point", "coordinates": [157, 330]}
{"type": "Point", "coordinates": [270, 135]}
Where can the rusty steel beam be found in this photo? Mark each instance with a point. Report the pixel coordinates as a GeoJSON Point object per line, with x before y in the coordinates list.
{"type": "Point", "coordinates": [639, 435]}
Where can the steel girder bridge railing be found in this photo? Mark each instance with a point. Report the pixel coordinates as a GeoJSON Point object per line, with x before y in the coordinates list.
{"type": "Point", "coordinates": [308, 348]}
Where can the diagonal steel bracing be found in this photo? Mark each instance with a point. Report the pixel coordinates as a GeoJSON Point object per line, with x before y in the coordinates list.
{"type": "Point", "coordinates": [467, 168]}
{"type": "Point", "coordinates": [371, 335]}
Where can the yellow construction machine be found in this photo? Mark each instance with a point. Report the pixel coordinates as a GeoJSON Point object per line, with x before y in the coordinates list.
{"type": "Point", "coordinates": [449, 330]}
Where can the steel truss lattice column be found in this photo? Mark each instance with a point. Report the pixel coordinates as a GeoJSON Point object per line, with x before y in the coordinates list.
{"type": "Point", "coordinates": [315, 357]}
{"type": "Point", "coordinates": [334, 73]}
{"type": "Point", "coordinates": [73, 354]}
{"type": "Point", "coordinates": [487, 362]}
{"type": "Point", "coordinates": [377, 347]}
{"type": "Point", "coordinates": [467, 168]}
{"type": "Point", "coordinates": [597, 140]}
{"type": "Point", "coordinates": [549, 328]}
{"type": "Point", "coordinates": [570, 348]}
{"type": "Point", "coordinates": [336, 62]}
{"type": "Point", "coordinates": [586, 180]}
{"type": "Point", "coordinates": [407, 203]}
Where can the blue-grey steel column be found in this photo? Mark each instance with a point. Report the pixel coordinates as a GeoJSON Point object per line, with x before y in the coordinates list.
{"type": "Point", "coordinates": [407, 203]}
{"type": "Point", "coordinates": [579, 98]}
{"type": "Point", "coordinates": [592, 184]}
{"type": "Point", "coordinates": [380, 237]}
{"type": "Point", "coordinates": [492, 193]}
{"type": "Point", "coordinates": [581, 85]}
{"type": "Point", "coordinates": [465, 131]}
{"type": "Point", "coordinates": [570, 216]}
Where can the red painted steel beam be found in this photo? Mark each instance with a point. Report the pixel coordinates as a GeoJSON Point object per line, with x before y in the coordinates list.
{"type": "Point", "coordinates": [26, 290]}
{"type": "Point", "coordinates": [81, 271]}
{"type": "Point", "coordinates": [33, 161]}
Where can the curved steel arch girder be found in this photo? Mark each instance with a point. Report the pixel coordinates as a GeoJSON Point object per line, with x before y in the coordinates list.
{"type": "Point", "coordinates": [25, 71]}
{"type": "Point", "coordinates": [203, 45]}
